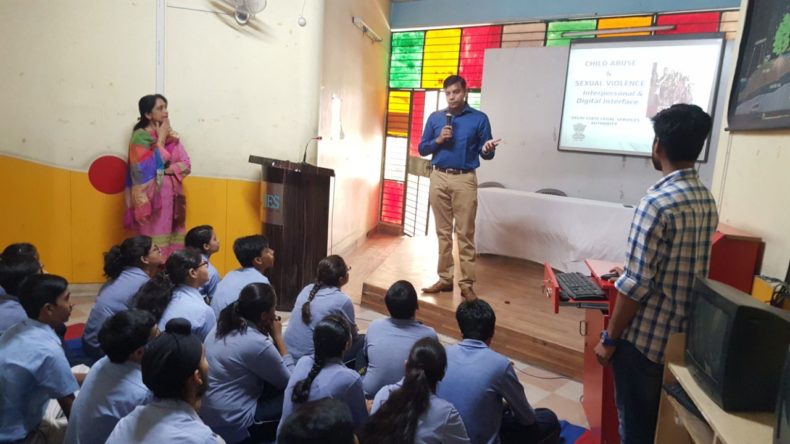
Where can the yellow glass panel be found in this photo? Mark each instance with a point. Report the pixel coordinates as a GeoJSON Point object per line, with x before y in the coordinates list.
{"type": "Point", "coordinates": [440, 59]}
{"type": "Point", "coordinates": [625, 22]}
{"type": "Point", "coordinates": [399, 102]}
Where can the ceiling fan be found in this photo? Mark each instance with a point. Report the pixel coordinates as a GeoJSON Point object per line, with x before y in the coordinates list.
{"type": "Point", "coordinates": [245, 10]}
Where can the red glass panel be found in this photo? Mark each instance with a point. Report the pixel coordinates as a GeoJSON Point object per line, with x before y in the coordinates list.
{"type": "Point", "coordinates": [417, 116]}
{"type": "Point", "coordinates": [392, 202]}
{"type": "Point", "coordinates": [691, 23]}
{"type": "Point", "coordinates": [474, 42]}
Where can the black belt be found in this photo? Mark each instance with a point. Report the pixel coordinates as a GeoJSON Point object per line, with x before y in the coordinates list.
{"type": "Point", "coordinates": [451, 170]}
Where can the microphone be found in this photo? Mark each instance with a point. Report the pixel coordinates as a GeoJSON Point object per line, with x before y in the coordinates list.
{"type": "Point", "coordinates": [449, 118]}
{"type": "Point", "coordinates": [304, 156]}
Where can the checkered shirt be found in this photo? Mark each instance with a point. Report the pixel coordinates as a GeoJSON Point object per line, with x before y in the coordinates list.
{"type": "Point", "coordinates": [669, 244]}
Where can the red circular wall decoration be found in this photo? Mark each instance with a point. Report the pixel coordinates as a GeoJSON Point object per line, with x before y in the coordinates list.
{"type": "Point", "coordinates": [108, 174]}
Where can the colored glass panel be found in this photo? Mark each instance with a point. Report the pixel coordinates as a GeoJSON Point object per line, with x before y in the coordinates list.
{"type": "Point", "coordinates": [524, 34]}
{"type": "Point", "coordinates": [625, 22]}
{"type": "Point", "coordinates": [474, 42]}
{"type": "Point", "coordinates": [692, 23]}
{"type": "Point", "coordinates": [392, 202]}
{"type": "Point", "coordinates": [554, 35]}
{"type": "Point", "coordinates": [406, 59]}
{"type": "Point", "coordinates": [395, 159]}
{"type": "Point", "coordinates": [473, 99]}
{"type": "Point", "coordinates": [417, 123]}
{"type": "Point", "coordinates": [441, 56]}
{"type": "Point", "coordinates": [398, 113]}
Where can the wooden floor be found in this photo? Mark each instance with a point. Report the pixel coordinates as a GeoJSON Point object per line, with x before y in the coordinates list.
{"type": "Point", "coordinates": [527, 328]}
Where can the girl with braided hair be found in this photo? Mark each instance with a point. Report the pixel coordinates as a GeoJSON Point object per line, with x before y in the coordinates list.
{"type": "Point", "coordinates": [323, 375]}
{"type": "Point", "coordinates": [409, 412]}
{"type": "Point", "coordinates": [318, 300]}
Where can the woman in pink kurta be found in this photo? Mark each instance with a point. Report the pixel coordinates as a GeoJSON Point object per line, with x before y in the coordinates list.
{"type": "Point", "coordinates": [158, 164]}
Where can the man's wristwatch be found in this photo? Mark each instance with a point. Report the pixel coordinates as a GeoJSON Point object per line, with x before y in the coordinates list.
{"type": "Point", "coordinates": [607, 341]}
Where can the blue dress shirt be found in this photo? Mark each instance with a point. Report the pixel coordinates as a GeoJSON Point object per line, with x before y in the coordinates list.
{"type": "Point", "coordinates": [231, 285]}
{"type": "Point", "coordinates": [213, 280]}
{"type": "Point", "coordinates": [33, 370]}
{"type": "Point", "coordinates": [11, 312]}
{"type": "Point", "coordinates": [109, 392]}
{"type": "Point", "coordinates": [163, 421]}
{"type": "Point", "coordinates": [240, 365]}
{"type": "Point", "coordinates": [471, 130]}
{"type": "Point", "coordinates": [478, 379]}
{"type": "Point", "coordinates": [115, 296]}
{"type": "Point", "coordinates": [387, 346]}
{"type": "Point", "coordinates": [187, 303]}
{"type": "Point", "coordinates": [298, 336]}
{"type": "Point", "coordinates": [440, 424]}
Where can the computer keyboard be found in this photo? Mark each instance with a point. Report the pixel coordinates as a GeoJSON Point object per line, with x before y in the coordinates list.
{"type": "Point", "coordinates": [579, 287]}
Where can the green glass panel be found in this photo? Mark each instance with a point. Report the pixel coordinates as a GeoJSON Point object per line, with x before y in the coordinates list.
{"type": "Point", "coordinates": [406, 59]}
{"type": "Point", "coordinates": [555, 29]}
{"type": "Point", "coordinates": [473, 99]}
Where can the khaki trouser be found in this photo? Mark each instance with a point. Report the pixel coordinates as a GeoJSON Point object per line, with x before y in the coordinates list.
{"type": "Point", "coordinates": [454, 197]}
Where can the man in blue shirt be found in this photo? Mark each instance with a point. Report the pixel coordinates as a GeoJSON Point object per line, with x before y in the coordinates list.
{"type": "Point", "coordinates": [114, 387]}
{"type": "Point", "coordinates": [13, 272]}
{"type": "Point", "coordinates": [33, 366]}
{"type": "Point", "coordinates": [455, 138]}
{"type": "Point", "coordinates": [255, 257]}
{"type": "Point", "coordinates": [479, 379]}
{"type": "Point", "coordinates": [669, 244]}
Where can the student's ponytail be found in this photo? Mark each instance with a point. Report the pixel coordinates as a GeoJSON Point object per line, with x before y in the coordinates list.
{"type": "Point", "coordinates": [127, 254]}
{"type": "Point", "coordinates": [254, 300]}
{"type": "Point", "coordinates": [329, 339]}
{"type": "Point", "coordinates": [331, 270]}
{"type": "Point", "coordinates": [396, 421]}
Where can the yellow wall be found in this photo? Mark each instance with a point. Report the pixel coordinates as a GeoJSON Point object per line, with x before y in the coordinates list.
{"type": "Point", "coordinates": [72, 224]}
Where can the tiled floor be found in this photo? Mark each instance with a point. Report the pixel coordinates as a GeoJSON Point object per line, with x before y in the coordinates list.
{"type": "Point", "coordinates": [543, 388]}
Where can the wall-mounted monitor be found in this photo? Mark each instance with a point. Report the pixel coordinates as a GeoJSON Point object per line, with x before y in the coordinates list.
{"type": "Point", "coordinates": [614, 86]}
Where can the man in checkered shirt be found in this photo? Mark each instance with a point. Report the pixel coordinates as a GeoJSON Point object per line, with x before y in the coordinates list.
{"type": "Point", "coordinates": [669, 244]}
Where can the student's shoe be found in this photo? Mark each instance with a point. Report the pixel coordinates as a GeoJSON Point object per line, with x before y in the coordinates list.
{"type": "Point", "coordinates": [438, 287]}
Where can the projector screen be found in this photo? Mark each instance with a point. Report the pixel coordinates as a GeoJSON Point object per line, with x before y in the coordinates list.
{"type": "Point", "coordinates": [613, 88]}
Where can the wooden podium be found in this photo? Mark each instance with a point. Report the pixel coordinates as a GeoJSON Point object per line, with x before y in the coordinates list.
{"type": "Point", "coordinates": [295, 218]}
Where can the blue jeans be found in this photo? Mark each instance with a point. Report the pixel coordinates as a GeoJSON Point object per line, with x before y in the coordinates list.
{"type": "Point", "coordinates": [637, 382]}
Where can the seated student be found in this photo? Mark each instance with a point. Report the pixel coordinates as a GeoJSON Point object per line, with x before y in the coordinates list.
{"type": "Point", "coordinates": [114, 386]}
{"type": "Point", "coordinates": [324, 374]}
{"type": "Point", "coordinates": [204, 239]}
{"type": "Point", "coordinates": [33, 366]}
{"type": "Point", "coordinates": [14, 270]}
{"type": "Point", "coordinates": [245, 352]}
{"type": "Point", "coordinates": [478, 379]}
{"type": "Point", "coordinates": [388, 341]}
{"type": "Point", "coordinates": [315, 302]}
{"type": "Point", "coordinates": [255, 256]}
{"type": "Point", "coordinates": [325, 421]}
{"type": "Point", "coordinates": [409, 411]}
{"type": "Point", "coordinates": [176, 295]}
{"type": "Point", "coordinates": [127, 266]}
{"type": "Point", "coordinates": [17, 251]}
{"type": "Point", "coordinates": [176, 371]}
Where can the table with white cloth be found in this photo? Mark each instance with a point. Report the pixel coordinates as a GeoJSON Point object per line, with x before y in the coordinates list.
{"type": "Point", "coordinates": [563, 231]}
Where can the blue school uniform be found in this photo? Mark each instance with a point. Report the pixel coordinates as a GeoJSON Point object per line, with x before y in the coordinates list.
{"type": "Point", "coordinates": [115, 296]}
{"type": "Point", "coordinates": [187, 303]}
{"type": "Point", "coordinates": [163, 421]}
{"type": "Point", "coordinates": [210, 287]}
{"type": "Point", "coordinates": [298, 336]}
{"type": "Point", "coordinates": [476, 382]}
{"type": "Point", "coordinates": [33, 370]}
{"type": "Point", "coordinates": [109, 392]}
{"type": "Point", "coordinates": [11, 312]}
{"type": "Point", "coordinates": [240, 364]}
{"type": "Point", "coordinates": [439, 424]}
{"type": "Point", "coordinates": [230, 287]}
{"type": "Point", "coordinates": [335, 381]}
{"type": "Point", "coordinates": [387, 346]}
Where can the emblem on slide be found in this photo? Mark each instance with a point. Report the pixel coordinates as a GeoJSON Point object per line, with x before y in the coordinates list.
{"type": "Point", "coordinates": [578, 131]}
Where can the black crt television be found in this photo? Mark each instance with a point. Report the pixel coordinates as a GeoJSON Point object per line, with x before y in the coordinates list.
{"type": "Point", "coordinates": [782, 427]}
{"type": "Point", "coordinates": [735, 346]}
